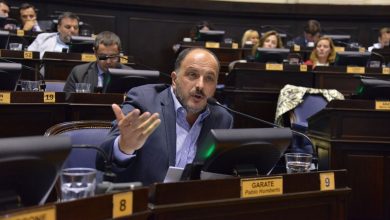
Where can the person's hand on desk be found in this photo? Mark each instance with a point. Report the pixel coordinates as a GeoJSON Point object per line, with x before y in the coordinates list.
{"type": "Point", "coordinates": [134, 128]}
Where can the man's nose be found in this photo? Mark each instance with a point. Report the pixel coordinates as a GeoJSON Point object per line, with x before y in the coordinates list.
{"type": "Point", "coordinates": [200, 82]}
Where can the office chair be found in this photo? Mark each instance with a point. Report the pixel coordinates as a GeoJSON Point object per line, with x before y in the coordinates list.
{"type": "Point", "coordinates": [295, 105]}
{"type": "Point", "coordinates": [81, 133]}
{"type": "Point", "coordinates": [54, 85]}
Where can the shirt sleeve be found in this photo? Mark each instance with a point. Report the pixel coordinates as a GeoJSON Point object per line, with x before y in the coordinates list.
{"type": "Point", "coordinates": [118, 154]}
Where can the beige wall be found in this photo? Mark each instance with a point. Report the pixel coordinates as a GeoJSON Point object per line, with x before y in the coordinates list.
{"type": "Point", "coordinates": [336, 2]}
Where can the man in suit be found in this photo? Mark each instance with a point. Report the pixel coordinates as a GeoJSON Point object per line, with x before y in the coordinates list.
{"type": "Point", "coordinates": [68, 25]}
{"type": "Point", "coordinates": [162, 125]}
{"type": "Point", "coordinates": [107, 49]}
{"type": "Point", "coordinates": [311, 34]}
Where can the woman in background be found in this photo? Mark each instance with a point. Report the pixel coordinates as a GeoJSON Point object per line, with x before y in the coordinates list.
{"type": "Point", "coordinates": [250, 37]}
{"type": "Point", "coordinates": [270, 39]}
{"type": "Point", "coordinates": [323, 53]}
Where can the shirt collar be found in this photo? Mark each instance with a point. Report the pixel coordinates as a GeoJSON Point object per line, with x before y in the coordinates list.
{"type": "Point", "coordinates": [100, 71]}
{"type": "Point", "coordinates": [179, 107]}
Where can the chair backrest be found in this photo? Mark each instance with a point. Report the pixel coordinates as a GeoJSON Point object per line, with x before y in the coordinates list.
{"type": "Point", "coordinates": [82, 132]}
{"type": "Point", "coordinates": [312, 103]}
{"type": "Point", "coordinates": [54, 85]}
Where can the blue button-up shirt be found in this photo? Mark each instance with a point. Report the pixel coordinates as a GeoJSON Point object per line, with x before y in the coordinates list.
{"type": "Point", "coordinates": [186, 135]}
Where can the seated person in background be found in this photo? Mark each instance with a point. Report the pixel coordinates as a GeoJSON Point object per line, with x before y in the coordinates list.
{"type": "Point", "coordinates": [28, 16]}
{"type": "Point", "coordinates": [202, 26]}
{"type": "Point", "coordinates": [68, 25]}
{"type": "Point", "coordinates": [161, 125]}
{"type": "Point", "coordinates": [107, 49]}
{"type": "Point", "coordinates": [311, 34]}
{"type": "Point", "coordinates": [4, 9]}
{"type": "Point", "coordinates": [270, 39]}
{"type": "Point", "coordinates": [250, 37]}
{"type": "Point", "coordinates": [4, 14]}
{"type": "Point", "coordinates": [323, 53]}
{"type": "Point", "coordinates": [383, 39]}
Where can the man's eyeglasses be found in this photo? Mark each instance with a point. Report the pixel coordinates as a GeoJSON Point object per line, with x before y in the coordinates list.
{"type": "Point", "coordinates": [106, 57]}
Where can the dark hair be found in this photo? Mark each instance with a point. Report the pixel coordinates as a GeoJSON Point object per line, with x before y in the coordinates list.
{"type": "Point", "coordinates": [195, 30]}
{"type": "Point", "coordinates": [183, 54]}
{"type": "Point", "coordinates": [4, 2]}
{"type": "Point", "coordinates": [312, 27]}
{"type": "Point", "coordinates": [67, 14]}
{"type": "Point", "coordinates": [107, 38]}
{"type": "Point", "coordinates": [383, 31]}
{"type": "Point", "coordinates": [26, 6]}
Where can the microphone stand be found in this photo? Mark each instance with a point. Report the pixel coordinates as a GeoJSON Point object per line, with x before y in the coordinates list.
{"type": "Point", "coordinates": [213, 101]}
{"type": "Point", "coordinates": [108, 174]}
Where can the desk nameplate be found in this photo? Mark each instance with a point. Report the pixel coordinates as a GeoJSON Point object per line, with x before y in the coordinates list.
{"type": "Point", "coordinates": [356, 69]}
{"type": "Point", "coordinates": [47, 213]}
{"type": "Point", "coordinates": [212, 45]}
{"type": "Point", "coordinates": [382, 105]}
{"type": "Point", "coordinates": [274, 66]}
{"type": "Point", "coordinates": [256, 187]}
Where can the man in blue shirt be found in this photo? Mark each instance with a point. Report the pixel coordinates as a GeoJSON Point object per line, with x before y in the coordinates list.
{"type": "Point", "coordinates": [162, 125]}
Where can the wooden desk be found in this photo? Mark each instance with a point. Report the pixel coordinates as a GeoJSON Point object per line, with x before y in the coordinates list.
{"type": "Point", "coordinates": [352, 135]}
{"type": "Point", "coordinates": [220, 199]}
{"type": "Point", "coordinates": [252, 89]}
{"type": "Point", "coordinates": [226, 53]}
{"type": "Point", "coordinates": [94, 208]}
{"type": "Point", "coordinates": [59, 65]}
{"type": "Point", "coordinates": [26, 58]}
{"type": "Point", "coordinates": [337, 77]}
{"type": "Point", "coordinates": [27, 114]}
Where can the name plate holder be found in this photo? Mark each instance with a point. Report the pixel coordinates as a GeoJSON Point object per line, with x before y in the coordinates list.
{"type": "Point", "coordinates": [31, 97]}
{"type": "Point", "coordinates": [382, 105]}
{"type": "Point", "coordinates": [266, 186]}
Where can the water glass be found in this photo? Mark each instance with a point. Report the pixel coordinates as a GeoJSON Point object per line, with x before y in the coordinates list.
{"type": "Point", "coordinates": [30, 86]}
{"type": "Point", "coordinates": [77, 183]}
{"type": "Point", "coordinates": [83, 87]}
{"type": "Point", "coordinates": [298, 162]}
{"type": "Point", "coordinates": [15, 46]}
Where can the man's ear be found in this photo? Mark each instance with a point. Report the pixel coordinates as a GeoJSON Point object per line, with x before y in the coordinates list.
{"type": "Point", "coordinates": [174, 77]}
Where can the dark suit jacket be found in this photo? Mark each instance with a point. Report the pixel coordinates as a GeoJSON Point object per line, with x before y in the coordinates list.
{"type": "Point", "coordinates": [85, 73]}
{"type": "Point", "coordinates": [300, 40]}
{"type": "Point", "coordinates": [159, 151]}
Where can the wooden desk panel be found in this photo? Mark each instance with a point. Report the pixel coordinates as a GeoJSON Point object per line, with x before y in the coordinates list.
{"type": "Point", "coordinates": [353, 135]}
{"type": "Point", "coordinates": [23, 117]}
{"type": "Point", "coordinates": [220, 199]}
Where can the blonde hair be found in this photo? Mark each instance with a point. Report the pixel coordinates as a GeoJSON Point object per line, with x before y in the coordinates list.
{"type": "Point", "coordinates": [332, 54]}
{"type": "Point", "coordinates": [247, 35]}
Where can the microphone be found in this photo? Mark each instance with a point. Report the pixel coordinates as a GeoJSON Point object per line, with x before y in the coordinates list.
{"type": "Point", "coordinates": [108, 174]}
{"type": "Point", "coordinates": [213, 101]}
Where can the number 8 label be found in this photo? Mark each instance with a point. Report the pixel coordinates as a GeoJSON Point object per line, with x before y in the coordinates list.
{"type": "Point", "coordinates": [122, 204]}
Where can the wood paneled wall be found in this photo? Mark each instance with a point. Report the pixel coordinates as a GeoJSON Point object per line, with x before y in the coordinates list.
{"type": "Point", "coordinates": [149, 28]}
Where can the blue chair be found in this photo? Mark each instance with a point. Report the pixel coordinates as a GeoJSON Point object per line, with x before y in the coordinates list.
{"type": "Point", "coordinates": [82, 133]}
{"type": "Point", "coordinates": [312, 103]}
{"type": "Point", "coordinates": [54, 85]}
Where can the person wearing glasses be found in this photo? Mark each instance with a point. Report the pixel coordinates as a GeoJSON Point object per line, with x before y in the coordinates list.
{"type": "Point", "coordinates": [28, 16]}
{"type": "Point", "coordinates": [107, 49]}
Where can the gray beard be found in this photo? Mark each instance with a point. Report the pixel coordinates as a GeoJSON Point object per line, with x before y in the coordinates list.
{"type": "Point", "coordinates": [180, 98]}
